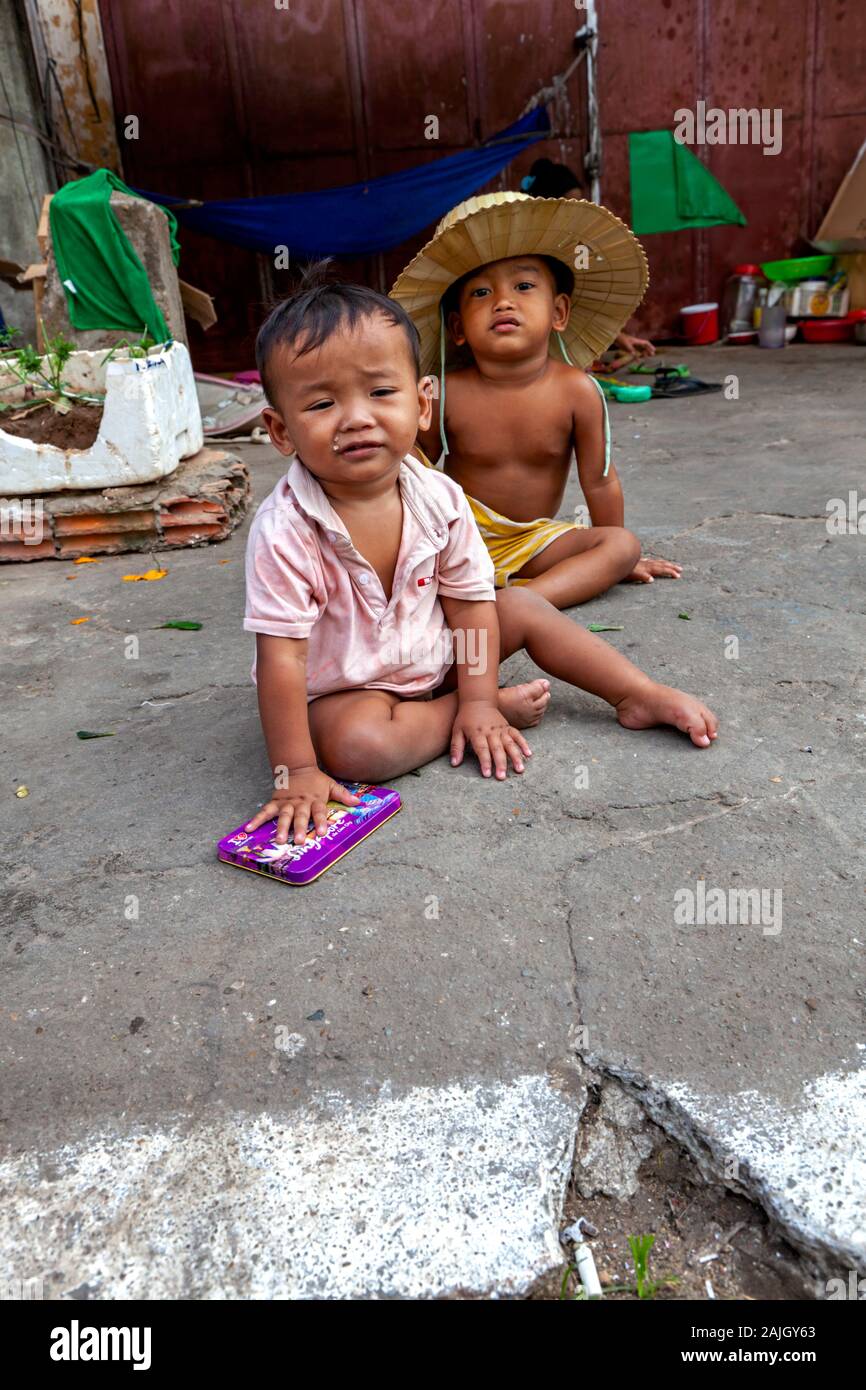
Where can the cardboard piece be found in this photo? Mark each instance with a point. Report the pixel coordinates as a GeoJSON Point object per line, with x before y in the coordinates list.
{"type": "Point", "coordinates": [854, 266]}
{"type": "Point", "coordinates": [21, 278]}
{"type": "Point", "coordinates": [33, 272]}
{"type": "Point", "coordinates": [43, 230]}
{"type": "Point", "coordinates": [197, 305]}
{"type": "Point", "coordinates": [10, 273]}
{"type": "Point", "coordinates": [844, 227]}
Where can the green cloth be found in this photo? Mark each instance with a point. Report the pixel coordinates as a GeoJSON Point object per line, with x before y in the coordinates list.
{"type": "Point", "coordinates": [671, 189]}
{"type": "Point", "coordinates": [92, 251]}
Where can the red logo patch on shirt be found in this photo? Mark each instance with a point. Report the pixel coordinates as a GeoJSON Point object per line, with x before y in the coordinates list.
{"type": "Point", "coordinates": [427, 579]}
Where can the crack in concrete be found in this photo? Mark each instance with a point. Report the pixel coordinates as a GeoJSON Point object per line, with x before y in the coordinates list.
{"type": "Point", "coordinates": [174, 696]}
{"type": "Point", "coordinates": [667, 801]}
{"type": "Point", "coordinates": [713, 1161]}
{"type": "Point", "coordinates": [750, 516]}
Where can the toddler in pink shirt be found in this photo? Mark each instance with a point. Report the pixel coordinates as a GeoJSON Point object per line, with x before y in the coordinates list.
{"type": "Point", "coordinates": [379, 633]}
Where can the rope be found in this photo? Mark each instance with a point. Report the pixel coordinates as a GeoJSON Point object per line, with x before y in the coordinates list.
{"type": "Point", "coordinates": [597, 386]}
{"type": "Point", "coordinates": [445, 449]}
{"type": "Point", "coordinates": [546, 94]}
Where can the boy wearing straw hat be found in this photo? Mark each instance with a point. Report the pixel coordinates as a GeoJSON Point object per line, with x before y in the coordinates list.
{"type": "Point", "coordinates": [532, 290]}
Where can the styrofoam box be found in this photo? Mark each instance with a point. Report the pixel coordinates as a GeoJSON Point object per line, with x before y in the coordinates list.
{"type": "Point", "coordinates": [151, 420]}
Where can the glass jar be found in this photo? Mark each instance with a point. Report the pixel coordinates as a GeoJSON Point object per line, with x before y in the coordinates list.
{"type": "Point", "coordinates": [739, 298]}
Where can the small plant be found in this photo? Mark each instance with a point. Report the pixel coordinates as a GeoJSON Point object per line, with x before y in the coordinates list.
{"type": "Point", "coordinates": [58, 351]}
{"type": "Point", "coordinates": [640, 1252]}
{"type": "Point", "coordinates": [41, 374]}
{"type": "Point", "coordinates": [139, 349]}
{"type": "Point", "coordinates": [644, 1286]}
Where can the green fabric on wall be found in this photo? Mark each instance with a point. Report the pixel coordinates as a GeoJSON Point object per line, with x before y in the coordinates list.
{"type": "Point", "coordinates": [671, 189]}
{"type": "Point", "coordinates": [92, 251]}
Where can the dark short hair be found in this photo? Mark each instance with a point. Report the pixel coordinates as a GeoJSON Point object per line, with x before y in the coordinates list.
{"type": "Point", "coordinates": [550, 180]}
{"type": "Point", "coordinates": [563, 279]}
{"type": "Point", "coordinates": [318, 308]}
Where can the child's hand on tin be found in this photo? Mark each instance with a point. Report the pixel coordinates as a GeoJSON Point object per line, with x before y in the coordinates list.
{"type": "Point", "coordinates": [304, 799]}
{"type": "Point", "coordinates": [491, 737]}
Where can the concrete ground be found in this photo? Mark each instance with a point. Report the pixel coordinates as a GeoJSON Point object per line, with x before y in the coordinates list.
{"type": "Point", "coordinates": [216, 1085]}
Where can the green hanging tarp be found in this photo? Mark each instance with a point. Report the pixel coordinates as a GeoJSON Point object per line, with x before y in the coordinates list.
{"type": "Point", "coordinates": [105, 283]}
{"type": "Point", "coordinates": [671, 189]}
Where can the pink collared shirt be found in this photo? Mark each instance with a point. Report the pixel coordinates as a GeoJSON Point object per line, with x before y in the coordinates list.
{"type": "Point", "coordinates": [305, 579]}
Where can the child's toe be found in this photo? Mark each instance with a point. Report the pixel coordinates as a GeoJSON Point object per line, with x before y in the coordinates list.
{"type": "Point", "coordinates": [698, 730]}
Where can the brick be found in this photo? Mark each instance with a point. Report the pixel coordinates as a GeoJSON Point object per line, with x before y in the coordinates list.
{"type": "Point", "coordinates": [192, 535]}
{"type": "Point", "coordinates": [92, 523]}
{"type": "Point", "coordinates": [193, 515]}
{"type": "Point", "coordinates": [17, 550]}
{"type": "Point", "coordinates": [103, 543]}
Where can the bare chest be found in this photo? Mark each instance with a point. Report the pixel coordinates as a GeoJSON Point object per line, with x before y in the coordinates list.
{"type": "Point", "coordinates": [534, 427]}
{"type": "Point", "coordinates": [378, 538]}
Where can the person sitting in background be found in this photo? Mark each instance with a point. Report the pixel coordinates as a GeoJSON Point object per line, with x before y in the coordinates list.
{"type": "Point", "coordinates": [512, 338]}
{"type": "Point", "coordinates": [549, 180]}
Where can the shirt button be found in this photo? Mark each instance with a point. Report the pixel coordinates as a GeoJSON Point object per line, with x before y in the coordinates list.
{"type": "Point", "coordinates": [332, 535]}
{"type": "Point", "coordinates": [363, 578]}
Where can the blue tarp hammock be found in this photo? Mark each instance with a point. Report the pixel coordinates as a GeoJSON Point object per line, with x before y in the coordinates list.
{"type": "Point", "coordinates": [360, 218]}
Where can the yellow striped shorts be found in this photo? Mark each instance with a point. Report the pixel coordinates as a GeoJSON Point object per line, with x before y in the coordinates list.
{"type": "Point", "coordinates": [512, 544]}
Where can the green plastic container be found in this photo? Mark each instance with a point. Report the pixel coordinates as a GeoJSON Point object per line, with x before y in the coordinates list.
{"type": "Point", "coordinates": [632, 393]}
{"type": "Point", "coordinates": [800, 268]}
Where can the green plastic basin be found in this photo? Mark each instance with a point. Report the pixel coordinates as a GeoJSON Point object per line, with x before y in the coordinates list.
{"type": "Point", "coordinates": [800, 268]}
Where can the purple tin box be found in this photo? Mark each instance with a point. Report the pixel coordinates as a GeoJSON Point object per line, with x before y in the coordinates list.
{"type": "Point", "coordinates": [347, 827]}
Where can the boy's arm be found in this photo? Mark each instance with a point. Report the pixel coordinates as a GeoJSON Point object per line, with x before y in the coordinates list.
{"type": "Point", "coordinates": [475, 629]}
{"type": "Point", "coordinates": [301, 790]}
{"type": "Point", "coordinates": [603, 494]}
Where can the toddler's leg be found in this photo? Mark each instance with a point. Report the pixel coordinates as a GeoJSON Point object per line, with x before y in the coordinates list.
{"type": "Point", "coordinates": [581, 564]}
{"type": "Point", "coordinates": [371, 735]}
{"type": "Point", "coordinates": [565, 650]}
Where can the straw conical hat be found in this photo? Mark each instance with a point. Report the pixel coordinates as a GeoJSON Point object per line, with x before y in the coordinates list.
{"type": "Point", "coordinates": [495, 226]}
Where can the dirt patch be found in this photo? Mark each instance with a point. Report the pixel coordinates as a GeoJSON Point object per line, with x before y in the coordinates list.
{"type": "Point", "coordinates": [702, 1233]}
{"type": "Point", "coordinates": [77, 429]}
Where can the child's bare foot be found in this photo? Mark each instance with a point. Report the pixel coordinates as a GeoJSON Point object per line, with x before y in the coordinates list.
{"type": "Point", "coordinates": [660, 704]}
{"type": "Point", "coordinates": [524, 706]}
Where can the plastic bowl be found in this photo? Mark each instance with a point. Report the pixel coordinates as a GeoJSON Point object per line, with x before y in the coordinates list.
{"type": "Point", "coordinates": [827, 330]}
{"type": "Point", "coordinates": [800, 268]}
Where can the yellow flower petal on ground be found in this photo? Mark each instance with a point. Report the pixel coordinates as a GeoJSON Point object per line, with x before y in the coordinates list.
{"type": "Point", "coordinates": [75, 621]}
{"type": "Point", "coordinates": [22, 791]}
{"type": "Point", "coordinates": [148, 574]}
{"type": "Point", "coordinates": [87, 560]}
